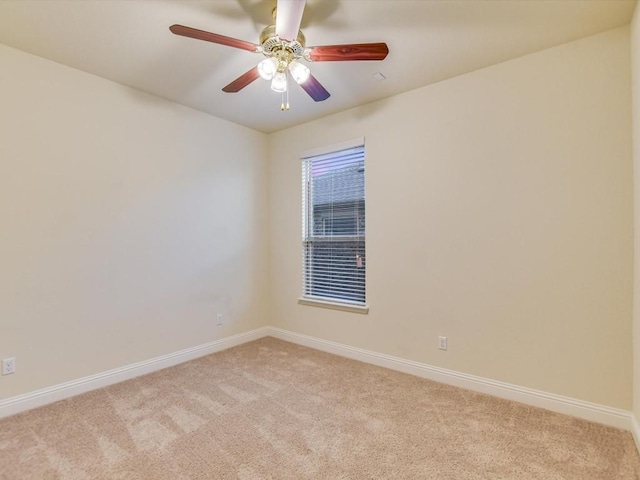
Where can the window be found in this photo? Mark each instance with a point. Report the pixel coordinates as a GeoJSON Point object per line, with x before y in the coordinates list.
{"type": "Point", "coordinates": [333, 226]}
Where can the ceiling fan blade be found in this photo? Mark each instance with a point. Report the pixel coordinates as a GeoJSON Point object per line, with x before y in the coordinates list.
{"type": "Point", "coordinates": [242, 81]}
{"type": "Point", "coordinates": [353, 51]}
{"type": "Point", "coordinates": [213, 37]}
{"type": "Point", "coordinates": [288, 18]}
{"type": "Point", "coordinates": [315, 89]}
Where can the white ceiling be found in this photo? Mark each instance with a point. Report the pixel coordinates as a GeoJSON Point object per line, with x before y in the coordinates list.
{"type": "Point", "coordinates": [128, 41]}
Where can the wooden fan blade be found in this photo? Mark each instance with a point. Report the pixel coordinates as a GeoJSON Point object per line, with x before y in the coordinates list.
{"type": "Point", "coordinates": [242, 81]}
{"type": "Point", "coordinates": [354, 51]}
{"type": "Point", "coordinates": [213, 37]}
{"type": "Point", "coordinates": [315, 89]}
{"type": "Point", "coordinates": [288, 18]}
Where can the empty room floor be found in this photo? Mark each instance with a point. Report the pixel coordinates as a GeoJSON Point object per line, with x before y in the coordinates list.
{"type": "Point", "coordinates": [270, 409]}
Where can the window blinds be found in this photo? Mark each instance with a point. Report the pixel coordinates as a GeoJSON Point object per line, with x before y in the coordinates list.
{"type": "Point", "coordinates": [333, 226]}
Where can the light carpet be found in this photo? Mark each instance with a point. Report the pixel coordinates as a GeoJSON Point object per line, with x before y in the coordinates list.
{"type": "Point", "coordinates": [274, 410]}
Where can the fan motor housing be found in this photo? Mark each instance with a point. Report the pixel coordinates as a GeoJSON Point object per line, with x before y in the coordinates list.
{"type": "Point", "coordinates": [271, 43]}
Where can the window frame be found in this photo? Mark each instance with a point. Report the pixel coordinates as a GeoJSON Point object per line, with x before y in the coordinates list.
{"type": "Point", "coordinates": [308, 238]}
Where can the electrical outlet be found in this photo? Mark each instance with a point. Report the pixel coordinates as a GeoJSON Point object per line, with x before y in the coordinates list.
{"type": "Point", "coordinates": [8, 366]}
{"type": "Point", "coordinates": [442, 343]}
{"type": "Point", "coordinates": [220, 319]}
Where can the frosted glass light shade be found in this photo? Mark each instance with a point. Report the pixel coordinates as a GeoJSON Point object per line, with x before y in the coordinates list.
{"type": "Point", "coordinates": [279, 82]}
{"type": "Point", "coordinates": [299, 72]}
{"type": "Point", "coordinates": [267, 68]}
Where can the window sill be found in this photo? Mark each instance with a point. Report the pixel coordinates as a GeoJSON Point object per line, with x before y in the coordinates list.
{"type": "Point", "coordinates": [345, 307]}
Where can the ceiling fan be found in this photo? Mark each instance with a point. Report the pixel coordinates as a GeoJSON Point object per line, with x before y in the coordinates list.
{"type": "Point", "coordinates": [284, 47]}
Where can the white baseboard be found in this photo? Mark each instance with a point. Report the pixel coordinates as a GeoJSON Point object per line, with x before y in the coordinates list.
{"type": "Point", "coordinates": [570, 406]}
{"type": "Point", "coordinates": [38, 398]}
{"type": "Point", "coordinates": [557, 403]}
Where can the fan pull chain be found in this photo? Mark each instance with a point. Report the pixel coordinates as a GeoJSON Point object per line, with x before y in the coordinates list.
{"type": "Point", "coordinates": [282, 105]}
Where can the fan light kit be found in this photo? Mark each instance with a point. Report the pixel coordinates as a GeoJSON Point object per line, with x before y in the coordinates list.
{"type": "Point", "coordinates": [282, 56]}
{"type": "Point", "coordinates": [284, 46]}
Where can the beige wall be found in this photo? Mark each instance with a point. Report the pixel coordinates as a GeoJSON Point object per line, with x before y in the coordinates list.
{"type": "Point", "coordinates": [126, 223]}
{"type": "Point", "coordinates": [635, 88]}
{"type": "Point", "coordinates": [499, 214]}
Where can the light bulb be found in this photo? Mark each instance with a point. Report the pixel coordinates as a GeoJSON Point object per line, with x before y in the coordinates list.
{"type": "Point", "coordinates": [267, 68]}
{"type": "Point", "coordinates": [279, 82]}
{"type": "Point", "coordinates": [299, 72]}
